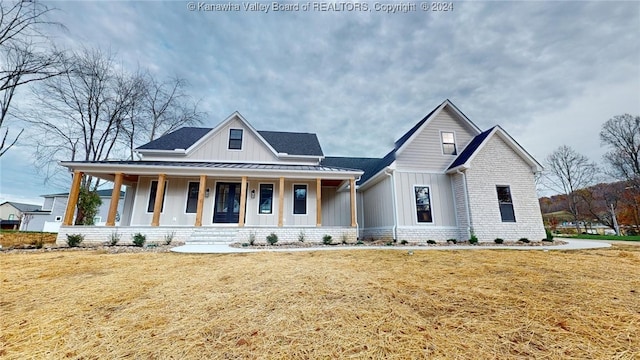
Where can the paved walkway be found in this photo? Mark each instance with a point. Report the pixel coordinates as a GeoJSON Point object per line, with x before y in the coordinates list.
{"type": "Point", "coordinates": [572, 244]}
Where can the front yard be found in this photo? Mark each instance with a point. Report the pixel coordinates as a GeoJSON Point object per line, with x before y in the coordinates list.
{"type": "Point", "coordinates": [361, 304]}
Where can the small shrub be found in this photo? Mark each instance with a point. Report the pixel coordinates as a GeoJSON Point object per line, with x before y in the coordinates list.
{"type": "Point", "coordinates": [524, 240]}
{"type": "Point", "coordinates": [245, 244]}
{"type": "Point", "coordinates": [452, 241]}
{"type": "Point", "coordinates": [301, 236]}
{"type": "Point", "coordinates": [272, 238]}
{"type": "Point", "coordinates": [359, 242]}
{"type": "Point", "coordinates": [114, 238]}
{"type": "Point", "coordinates": [139, 239]}
{"type": "Point", "coordinates": [168, 238]}
{"type": "Point", "coordinates": [326, 239]}
{"type": "Point", "coordinates": [549, 234]}
{"type": "Point", "coordinates": [431, 242]}
{"type": "Point", "coordinates": [404, 242]}
{"type": "Point", "coordinates": [39, 243]}
{"type": "Point", "coordinates": [344, 239]}
{"type": "Point", "coordinates": [252, 238]}
{"type": "Point", "coordinates": [74, 240]}
{"type": "Point", "coordinates": [390, 243]}
{"type": "Point", "coordinates": [498, 241]}
{"type": "Point", "coordinates": [547, 240]}
{"type": "Point", "coordinates": [473, 240]}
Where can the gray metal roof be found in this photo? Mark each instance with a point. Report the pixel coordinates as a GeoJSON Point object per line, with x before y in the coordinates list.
{"type": "Point", "coordinates": [219, 165]}
{"type": "Point", "coordinates": [22, 207]}
{"type": "Point", "coordinates": [101, 193]}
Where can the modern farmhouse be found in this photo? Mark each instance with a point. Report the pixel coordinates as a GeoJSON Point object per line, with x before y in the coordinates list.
{"type": "Point", "coordinates": [445, 178]}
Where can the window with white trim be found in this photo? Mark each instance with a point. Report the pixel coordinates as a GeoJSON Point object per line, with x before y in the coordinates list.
{"type": "Point", "coordinates": [423, 204]}
{"type": "Point", "coordinates": [448, 143]}
{"type": "Point", "coordinates": [152, 196]}
{"type": "Point", "coordinates": [266, 199]}
{"type": "Point", "coordinates": [506, 204]}
{"type": "Point", "coordinates": [192, 197]}
{"type": "Point", "coordinates": [235, 139]}
{"type": "Point", "coordinates": [299, 199]}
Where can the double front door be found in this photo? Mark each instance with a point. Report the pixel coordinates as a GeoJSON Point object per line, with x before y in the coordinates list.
{"type": "Point", "coordinates": [227, 206]}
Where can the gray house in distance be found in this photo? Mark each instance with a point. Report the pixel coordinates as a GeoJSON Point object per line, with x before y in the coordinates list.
{"type": "Point", "coordinates": [444, 178]}
{"type": "Point", "coordinates": [49, 217]}
{"type": "Point", "coordinates": [12, 213]}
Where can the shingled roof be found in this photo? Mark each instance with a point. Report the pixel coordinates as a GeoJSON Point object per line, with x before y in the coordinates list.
{"type": "Point", "coordinates": [22, 207]}
{"type": "Point", "coordinates": [470, 149]}
{"type": "Point", "coordinates": [292, 143]}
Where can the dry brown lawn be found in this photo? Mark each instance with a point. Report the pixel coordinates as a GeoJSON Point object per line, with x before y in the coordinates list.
{"type": "Point", "coordinates": [485, 304]}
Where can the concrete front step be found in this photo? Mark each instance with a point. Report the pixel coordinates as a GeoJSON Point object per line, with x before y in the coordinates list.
{"type": "Point", "coordinates": [212, 237]}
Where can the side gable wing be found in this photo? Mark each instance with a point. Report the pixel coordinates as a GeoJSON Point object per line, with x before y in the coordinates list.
{"type": "Point", "coordinates": [465, 159]}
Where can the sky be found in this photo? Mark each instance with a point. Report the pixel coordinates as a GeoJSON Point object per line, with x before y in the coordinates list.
{"type": "Point", "coordinates": [550, 73]}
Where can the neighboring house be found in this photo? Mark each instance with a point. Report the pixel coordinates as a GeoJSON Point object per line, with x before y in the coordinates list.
{"type": "Point", "coordinates": [11, 214]}
{"type": "Point", "coordinates": [49, 217]}
{"type": "Point", "coordinates": [445, 178]}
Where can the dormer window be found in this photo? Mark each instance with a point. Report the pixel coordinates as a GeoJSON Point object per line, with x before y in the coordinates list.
{"type": "Point", "coordinates": [235, 139]}
{"type": "Point", "coordinates": [448, 143]}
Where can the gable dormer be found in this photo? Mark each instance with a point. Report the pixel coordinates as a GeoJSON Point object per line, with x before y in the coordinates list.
{"type": "Point", "coordinates": [234, 140]}
{"type": "Point", "coordinates": [434, 142]}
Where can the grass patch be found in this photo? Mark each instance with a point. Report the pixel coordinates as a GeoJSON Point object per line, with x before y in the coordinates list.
{"type": "Point", "coordinates": [343, 304]}
{"type": "Point", "coordinates": [9, 239]}
{"type": "Point", "coordinates": [600, 237]}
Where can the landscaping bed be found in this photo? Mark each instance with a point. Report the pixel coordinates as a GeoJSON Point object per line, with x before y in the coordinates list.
{"type": "Point", "coordinates": [299, 244]}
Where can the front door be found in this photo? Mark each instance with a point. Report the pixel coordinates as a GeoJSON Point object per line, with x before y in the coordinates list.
{"type": "Point", "coordinates": [227, 208]}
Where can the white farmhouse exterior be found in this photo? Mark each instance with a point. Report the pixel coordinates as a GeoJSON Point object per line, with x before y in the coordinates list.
{"type": "Point", "coordinates": [444, 178]}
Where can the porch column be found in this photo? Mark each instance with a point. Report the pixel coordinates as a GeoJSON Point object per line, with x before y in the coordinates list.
{"type": "Point", "coordinates": [243, 200]}
{"type": "Point", "coordinates": [352, 185]}
{"type": "Point", "coordinates": [157, 206]}
{"type": "Point", "coordinates": [201, 190]}
{"type": "Point", "coordinates": [115, 197]}
{"type": "Point", "coordinates": [280, 202]}
{"type": "Point", "coordinates": [73, 198]}
{"type": "Point", "coordinates": [318, 202]}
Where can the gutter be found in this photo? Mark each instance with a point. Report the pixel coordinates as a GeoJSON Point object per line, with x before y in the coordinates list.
{"type": "Point", "coordinates": [390, 172]}
{"type": "Point", "coordinates": [466, 203]}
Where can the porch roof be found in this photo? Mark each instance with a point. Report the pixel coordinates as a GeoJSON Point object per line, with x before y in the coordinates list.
{"type": "Point", "coordinates": [190, 168]}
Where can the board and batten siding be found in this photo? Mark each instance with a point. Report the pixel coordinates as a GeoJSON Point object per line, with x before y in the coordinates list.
{"type": "Point", "coordinates": [215, 148]}
{"type": "Point", "coordinates": [442, 202]}
{"type": "Point", "coordinates": [425, 151]}
{"type": "Point", "coordinates": [377, 205]}
{"type": "Point", "coordinates": [175, 203]}
{"type": "Point", "coordinates": [497, 164]}
{"type": "Point", "coordinates": [336, 207]}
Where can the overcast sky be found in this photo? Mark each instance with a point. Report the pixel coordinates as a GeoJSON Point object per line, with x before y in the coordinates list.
{"type": "Point", "coordinates": [549, 72]}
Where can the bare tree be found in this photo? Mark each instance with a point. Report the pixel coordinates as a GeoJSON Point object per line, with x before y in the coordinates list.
{"type": "Point", "coordinates": [567, 172]}
{"type": "Point", "coordinates": [23, 57]}
{"type": "Point", "coordinates": [80, 115]}
{"type": "Point", "coordinates": [622, 135]}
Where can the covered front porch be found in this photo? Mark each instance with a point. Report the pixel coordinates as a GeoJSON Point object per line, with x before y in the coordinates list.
{"type": "Point", "coordinates": [224, 203]}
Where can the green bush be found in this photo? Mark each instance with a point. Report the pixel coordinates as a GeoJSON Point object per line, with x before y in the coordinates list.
{"type": "Point", "coordinates": [114, 238]}
{"type": "Point", "coordinates": [74, 240]}
{"type": "Point", "coordinates": [404, 242]}
{"type": "Point", "coordinates": [301, 236]}
{"type": "Point", "coordinates": [139, 239]}
{"type": "Point", "coordinates": [549, 234]}
{"type": "Point", "coordinates": [88, 207]}
{"type": "Point", "coordinates": [272, 238]}
{"type": "Point", "coordinates": [326, 239]}
{"type": "Point", "coordinates": [498, 241]}
{"type": "Point", "coordinates": [431, 242]}
{"type": "Point", "coordinates": [524, 240]}
{"type": "Point", "coordinates": [473, 240]}
{"type": "Point", "coordinates": [452, 241]}
{"type": "Point", "coordinates": [547, 240]}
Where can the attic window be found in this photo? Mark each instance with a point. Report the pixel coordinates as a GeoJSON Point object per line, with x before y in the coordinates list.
{"type": "Point", "coordinates": [448, 143]}
{"type": "Point", "coordinates": [235, 139]}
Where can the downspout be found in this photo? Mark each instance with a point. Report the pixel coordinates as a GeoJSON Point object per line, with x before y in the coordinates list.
{"type": "Point", "coordinates": [393, 198]}
{"type": "Point", "coordinates": [356, 202]}
{"type": "Point", "coordinates": [466, 203]}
